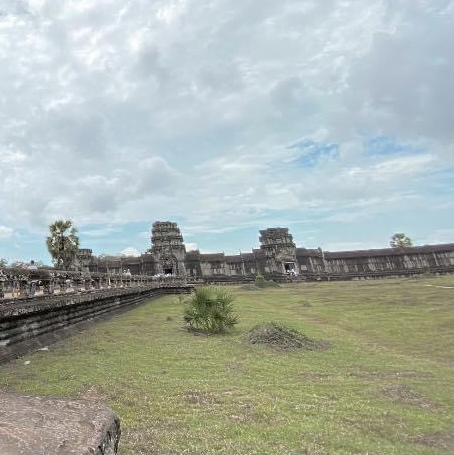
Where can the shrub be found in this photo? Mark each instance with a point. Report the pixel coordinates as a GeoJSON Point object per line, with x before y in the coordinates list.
{"type": "Point", "coordinates": [262, 282]}
{"type": "Point", "coordinates": [210, 309]}
{"type": "Point", "coordinates": [259, 279]}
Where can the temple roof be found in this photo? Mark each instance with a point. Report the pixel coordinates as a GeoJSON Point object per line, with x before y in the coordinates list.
{"type": "Point", "coordinates": [212, 257]}
{"type": "Point", "coordinates": [193, 254]}
{"type": "Point", "coordinates": [390, 251]}
{"type": "Point", "coordinates": [234, 258]}
{"type": "Point", "coordinates": [304, 252]}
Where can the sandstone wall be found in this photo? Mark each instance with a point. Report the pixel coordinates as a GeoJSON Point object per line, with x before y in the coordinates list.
{"type": "Point", "coordinates": [308, 263]}
{"type": "Point", "coordinates": [29, 324]}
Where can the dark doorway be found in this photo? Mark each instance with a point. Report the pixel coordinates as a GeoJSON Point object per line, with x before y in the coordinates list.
{"type": "Point", "coordinates": [168, 270]}
{"type": "Point", "coordinates": [289, 267]}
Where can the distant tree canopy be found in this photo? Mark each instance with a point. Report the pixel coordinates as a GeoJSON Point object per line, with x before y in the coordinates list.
{"type": "Point", "coordinates": [400, 240]}
{"type": "Point", "coordinates": [63, 243]}
{"type": "Point", "coordinates": [3, 262]}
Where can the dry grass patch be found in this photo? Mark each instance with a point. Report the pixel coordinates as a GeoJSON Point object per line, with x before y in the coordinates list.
{"type": "Point", "coordinates": [444, 441]}
{"type": "Point", "coordinates": [403, 394]}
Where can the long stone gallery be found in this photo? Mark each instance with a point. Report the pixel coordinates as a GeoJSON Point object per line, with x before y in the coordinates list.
{"type": "Point", "coordinates": [277, 258]}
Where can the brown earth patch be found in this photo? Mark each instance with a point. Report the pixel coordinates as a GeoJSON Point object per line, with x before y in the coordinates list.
{"type": "Point", "coordinates": [372, 376]}
{"type": "Point", "coordinates": [93, 393]}
{"type": "Point", "coordinates": [438, 439]}
{"type": "Point", "coordinates": [317, 377]}
{"type": "Point", "coordinates": [390, 375]}
{"type": "Point", "coordinates": [249, 287]}
{"type": "Point", "coordinates": [195, 331]}
{"type": "Point", "coordinates": [201, 398]}
{"type": "Point", "coordinates": [403, 394]}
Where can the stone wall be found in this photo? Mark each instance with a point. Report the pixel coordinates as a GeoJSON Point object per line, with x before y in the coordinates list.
{"type": "Point", "coordinates": [30, 323]}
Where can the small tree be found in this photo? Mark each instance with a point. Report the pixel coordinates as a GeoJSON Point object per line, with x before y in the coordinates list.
{"type": "Point", "coordinates": [259, 279]}
{"type": "Point", "coordinates": [210, 308]}
{"type": "Point", "coordinates": [400, 240]}
{"type": "Point", "coordinates": [63, 243]}
{"type": "Point", "coordinates": [3, 262]}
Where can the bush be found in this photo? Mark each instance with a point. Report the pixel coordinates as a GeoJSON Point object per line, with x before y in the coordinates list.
{"type": "Point", "coordinates": [262, 282]}
{"type": "Point", "coordinates": [210, 309]}
{"type": "Point", "coordinates": [259, 279]}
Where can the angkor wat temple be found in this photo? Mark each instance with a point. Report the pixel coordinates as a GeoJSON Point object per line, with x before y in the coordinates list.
{"type": "Point", "coordinates": [277, 258]}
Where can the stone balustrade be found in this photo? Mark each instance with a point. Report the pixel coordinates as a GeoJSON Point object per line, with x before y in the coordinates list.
{"type": "Point", "coordinates": [24, 283]}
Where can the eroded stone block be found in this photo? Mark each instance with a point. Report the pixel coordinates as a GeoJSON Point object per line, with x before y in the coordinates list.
{"type": "Point", "coordinates": [38, 425]}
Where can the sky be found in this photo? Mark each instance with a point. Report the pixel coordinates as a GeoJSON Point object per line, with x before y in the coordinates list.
{"type": "Point", "coordinates": [334, 118]}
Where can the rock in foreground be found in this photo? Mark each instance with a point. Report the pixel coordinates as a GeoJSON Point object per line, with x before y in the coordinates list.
{"type": "Point", "coordinates": [37, 425]}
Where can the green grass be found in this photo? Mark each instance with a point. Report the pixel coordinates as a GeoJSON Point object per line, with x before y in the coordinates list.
{"type": "Point", "coordinates": [386, 385]}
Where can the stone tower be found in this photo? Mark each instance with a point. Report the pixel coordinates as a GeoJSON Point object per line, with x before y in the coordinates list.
{"type": "Point", "coordinates": [168, 249]}
{"type": "Point", "coordinates": [279, 249]}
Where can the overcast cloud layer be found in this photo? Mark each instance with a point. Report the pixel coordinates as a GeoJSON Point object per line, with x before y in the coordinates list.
{"type": "Point", "coordinates": [335, 118]}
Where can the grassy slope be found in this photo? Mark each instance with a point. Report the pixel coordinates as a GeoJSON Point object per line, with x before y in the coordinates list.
{"type": "Point", "coordinates": [386, 385]}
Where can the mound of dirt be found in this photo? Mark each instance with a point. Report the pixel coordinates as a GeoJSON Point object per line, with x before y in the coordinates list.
{"type": "Point", "coordinates": [249, 287]}
{"type": "Point", "coordinates": [267, 284]}
{"type": "Point", "coordinates": [256, 286]}
{"type": "Point", "coordinates": [277, 335]}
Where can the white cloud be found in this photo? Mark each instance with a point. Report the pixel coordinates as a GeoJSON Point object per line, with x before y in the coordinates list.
{"type": "Point", "coordinates": [130, 251]}
{"type": "Point", "coordinates": [438, 236]}
{"type": "Point", "coordinates": [100, 232]}
{"type": "Point", "coordinates": [117, 112]}
{"type": "Point", "coordinates": [191, 246]}
{"type": "Point", "coordinates": [6, 232]}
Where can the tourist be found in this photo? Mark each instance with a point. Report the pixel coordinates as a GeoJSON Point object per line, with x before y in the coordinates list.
{"type": "Point", "coordinates": [32, 284]}
{"type": "Point", "coordinates": [2, 284]}
{"type": "Point", "coordinates": [15, 286]}
{"type": "Point", "coordinates": [68, 283]}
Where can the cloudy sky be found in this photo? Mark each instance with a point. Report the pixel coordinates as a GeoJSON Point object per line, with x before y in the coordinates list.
{"type": "Point", "coordinates": [332, 117]}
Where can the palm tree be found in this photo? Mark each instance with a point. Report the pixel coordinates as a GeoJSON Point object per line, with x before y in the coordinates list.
{"type": "Point", "coordinates": [63, 243]}
{"type": "Point", "coordinates": [210, 309]}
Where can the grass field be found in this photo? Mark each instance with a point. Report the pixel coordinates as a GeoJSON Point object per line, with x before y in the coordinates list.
{"type": "Point", "coordinates": [385, 386]}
